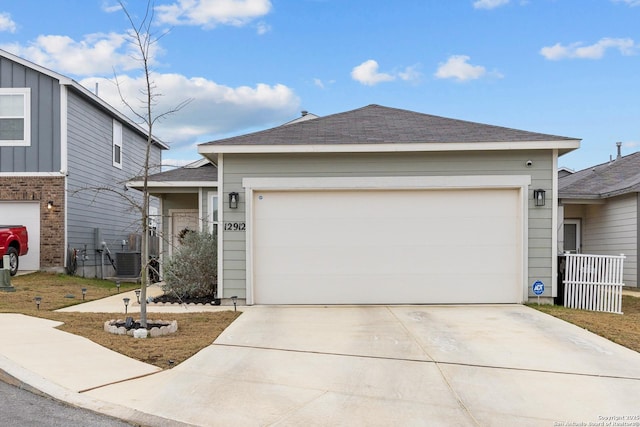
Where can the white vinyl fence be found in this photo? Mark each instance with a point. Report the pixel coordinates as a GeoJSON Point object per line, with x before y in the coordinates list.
{"type": "Point", "coordinates": [594, 282]}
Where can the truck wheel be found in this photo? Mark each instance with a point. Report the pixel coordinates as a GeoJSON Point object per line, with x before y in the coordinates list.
{"type": "Point", "coordinates": [13, 261]}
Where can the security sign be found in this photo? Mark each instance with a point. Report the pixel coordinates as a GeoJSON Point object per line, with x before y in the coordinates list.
{"type": "Point", "coordinates": [538, 287]}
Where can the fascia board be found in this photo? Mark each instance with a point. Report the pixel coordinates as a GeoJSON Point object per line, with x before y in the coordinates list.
{"type": "Point", "coordinates": [401, 147]}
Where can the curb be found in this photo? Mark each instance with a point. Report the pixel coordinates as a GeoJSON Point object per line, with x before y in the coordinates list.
{"type": "Point", "coordinates": [16, 375]}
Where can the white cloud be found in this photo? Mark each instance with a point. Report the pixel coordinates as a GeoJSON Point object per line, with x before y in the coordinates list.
{"type": "Point", "coordinates": [111, 7]}
{"type": "Point", "coordinates": [263, 28]}
{"type": "Point", "coordinates": [458, 68]}
{"type": "Point", "coordinates": [215, 109]}
{"type": "Point", "coordinates": [629, 2]}
{"type": "Point", "coordinates": [595, 51]}
{"type": "Point", "coordinates": [6, 23]}
{"type": "Point", "coordinates": [489, 4]}
{"type": "Point", "coordinates": [367, 73]}
{"type": "Point", "coordinates": [318, 83]}
{"type": "Point", "coordinates": [209, 13]}
{"type": "Point", "coordinates": [410, 74]}
{"type": "Point", "coordinates": [96, 54]}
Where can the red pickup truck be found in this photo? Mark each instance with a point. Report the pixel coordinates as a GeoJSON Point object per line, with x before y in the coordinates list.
{"type": "Point", "coordinates": [14, 241]}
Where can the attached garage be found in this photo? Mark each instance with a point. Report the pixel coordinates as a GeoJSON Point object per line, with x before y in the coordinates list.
{"type": "Point", "coordinates": [27, 214]}
{"type": "Point", "coordinates": [377, 246]}
{"type": "Point", "coordinates": [386, 206]}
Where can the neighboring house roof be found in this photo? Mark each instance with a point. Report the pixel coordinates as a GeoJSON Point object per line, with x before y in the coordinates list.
{"type": "Point", "coordinates": [85, 93]}
{"type": "Point", "coordinates": [609, 179]}
{"type": "Point", "coordinates": [303, 117]}
{"type": "Point", "coordinates": [201, 173]}
{"type": "Point", "coordinates": [564, 171]}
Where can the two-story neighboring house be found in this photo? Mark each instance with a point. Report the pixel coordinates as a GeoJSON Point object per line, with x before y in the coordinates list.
{"type": "Point", "coordinates": [65, 155]}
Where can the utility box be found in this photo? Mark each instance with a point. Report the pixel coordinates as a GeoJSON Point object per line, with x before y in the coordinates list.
{"type": "Point", "coordinates": [5, 276]}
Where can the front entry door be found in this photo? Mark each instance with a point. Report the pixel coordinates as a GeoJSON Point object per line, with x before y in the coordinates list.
{"type": "Point", "coordinates": [181, 221]}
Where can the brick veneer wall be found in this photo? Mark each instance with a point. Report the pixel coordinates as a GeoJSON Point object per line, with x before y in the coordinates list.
{"type": "Point", "coordinates": [52, 231]}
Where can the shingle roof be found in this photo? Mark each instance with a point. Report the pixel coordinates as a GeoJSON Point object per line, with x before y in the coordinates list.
{"type": "Point", "coordinates": [206, 172]}
{"type": "Point", "coordinates": [375, 124]}
{"type": "Point", "coordinates": [609, 179]}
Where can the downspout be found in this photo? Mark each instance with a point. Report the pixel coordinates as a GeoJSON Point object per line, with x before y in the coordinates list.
{"type": "Point", "coordinates": [64, 164]}
{"type": "Point", "coordinates": [554, 224]}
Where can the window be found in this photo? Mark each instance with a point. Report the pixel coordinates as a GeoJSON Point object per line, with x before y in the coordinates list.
{"type": "Point", "coordinates": [213, 208]}
{"type": "Point", "coordinates": [117, 144]}
{"type": "Point", "coordinates": [15, 114]}
{"type": "Point", "coordinates": [572, 236]}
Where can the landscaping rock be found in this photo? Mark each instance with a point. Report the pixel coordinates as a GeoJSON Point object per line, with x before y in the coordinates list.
{"type": "Point", "coordinates": [140, 333]}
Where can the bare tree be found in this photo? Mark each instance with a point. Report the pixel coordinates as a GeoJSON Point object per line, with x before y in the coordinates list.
{"type": "Point", "coordinates": [144, 39]}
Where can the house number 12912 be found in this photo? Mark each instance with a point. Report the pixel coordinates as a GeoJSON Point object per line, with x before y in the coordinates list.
{"type": "Point", "coordinates": [234, 226]}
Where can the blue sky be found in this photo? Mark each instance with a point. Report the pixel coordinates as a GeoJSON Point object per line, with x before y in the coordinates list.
{"type": "Point", "coordinates": [564, 67]}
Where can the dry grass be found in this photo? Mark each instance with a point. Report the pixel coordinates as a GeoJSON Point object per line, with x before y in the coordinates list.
{"type": "Point", "coordinates": [195, 330]}
{"type": "Point", "coordinates": [623, 329]}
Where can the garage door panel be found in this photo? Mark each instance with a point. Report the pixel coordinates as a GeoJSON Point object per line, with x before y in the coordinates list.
{"type": "Point", "coordinates": [385, 289]}
{"type": "Point", "coordinates": [387, 246]}
{"type": "Point", "coordinates": [367, 260]}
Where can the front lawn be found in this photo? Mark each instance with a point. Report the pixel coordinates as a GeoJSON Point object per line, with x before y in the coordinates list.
{"type": "Point", "coordinates": [623, 329]}
{"type": "Point", "coordinates": [195, 330]}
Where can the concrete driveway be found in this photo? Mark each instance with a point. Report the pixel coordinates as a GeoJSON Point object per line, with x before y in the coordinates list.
{"type": "Point", "coordinates": [399, 365]}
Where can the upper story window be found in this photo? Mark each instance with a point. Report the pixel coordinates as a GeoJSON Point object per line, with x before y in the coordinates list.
{"type": "Point", "coordinates": [117, 144]}
{"type": "Point", "coordinates": [15, 116]}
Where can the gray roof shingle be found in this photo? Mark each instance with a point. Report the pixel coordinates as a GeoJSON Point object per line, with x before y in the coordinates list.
{"type": "Point", "coordinates": [206, 172]}
{"type": "Point", "coordinates": [609, 179]}
{"type": "Point", "coordinates": [375, 124]}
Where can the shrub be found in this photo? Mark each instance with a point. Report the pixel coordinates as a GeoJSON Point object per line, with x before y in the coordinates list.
{"type": "Point", "coordinates": [192, 271]}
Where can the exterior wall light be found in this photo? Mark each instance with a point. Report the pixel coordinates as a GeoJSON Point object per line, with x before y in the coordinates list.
{"type": "Point", "coordinates": [539, 197]}
{"type": "Point", "coordinates": [233, 200]}
{"type": "Point", "coordinates": [50, 204]}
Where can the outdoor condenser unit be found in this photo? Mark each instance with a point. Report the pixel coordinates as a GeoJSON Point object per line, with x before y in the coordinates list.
{"type": "Point", "coordinates": [128, 264]}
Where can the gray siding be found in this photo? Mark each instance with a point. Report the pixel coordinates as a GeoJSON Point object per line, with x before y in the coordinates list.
{"type": "Point", "coordinates": [44, 153]}
{"type": "Point", "coordinates": [96, 194]}
{"type": "Point", "coordinates": [236, 167]}
{"type": "Point", "coordinates": [612, 229]}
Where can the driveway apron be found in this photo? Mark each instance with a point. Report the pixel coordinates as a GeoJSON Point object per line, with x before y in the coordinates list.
{"type": "Point", "coordinates": [398, 365]}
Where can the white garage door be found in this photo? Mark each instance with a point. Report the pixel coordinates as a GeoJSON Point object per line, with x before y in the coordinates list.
{"type": "Point", "coordinates": [391, 246]}
{"type": "Point", "coordinates": [27, 214]}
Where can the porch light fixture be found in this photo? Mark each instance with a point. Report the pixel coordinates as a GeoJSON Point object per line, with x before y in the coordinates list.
{"type": "Point", "coordinates": [137, 291]}
{"type": "Point", "coordinates": [126, 304]}
{"type": "Point", "coordinates": [84, 293]}
{"type": "Point", "coordinates": [38, 300]}
{"type": "Point", "coordinates": [539, 197]}
{"type": "Point", "coordinates": [233, 200]}
{"type": "Point", "coordinates": [234, 299]}
{"type": "Point", "coordinates": [50, 204]}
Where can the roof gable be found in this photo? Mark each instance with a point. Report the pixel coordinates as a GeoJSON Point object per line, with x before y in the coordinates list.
{"type": "Point", "coordinates": [609, 179]}
{"type": "Point", "coordinates": [84, 92]}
